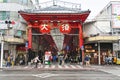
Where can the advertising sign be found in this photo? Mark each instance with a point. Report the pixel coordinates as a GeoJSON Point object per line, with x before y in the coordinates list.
{"type": "Point", "coordinates": [47, 55]}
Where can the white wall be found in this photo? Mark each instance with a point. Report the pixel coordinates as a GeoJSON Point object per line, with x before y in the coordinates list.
{"type": "Point", "coordinates": [101, 22]}
{"type": "Point", "coordinates": [91, 29]}
{"type": "Point", "coordinates": [11, 7]}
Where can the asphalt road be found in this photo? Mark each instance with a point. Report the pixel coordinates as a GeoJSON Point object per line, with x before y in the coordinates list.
{"type": "Point", "coordinates": [56, 75]}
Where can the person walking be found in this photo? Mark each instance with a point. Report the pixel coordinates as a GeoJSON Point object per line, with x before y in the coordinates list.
{"type": "Point", "coordinates": [61, 59]}
{"type": "Point", "coordinates": [36, 61]}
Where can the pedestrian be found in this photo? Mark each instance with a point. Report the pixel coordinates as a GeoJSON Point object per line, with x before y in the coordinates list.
{"type": "Point", "coordinates": [61, 59]}
{"type": "Point", "coordinates": [11, 60]}
{"type": "Point", "coordinates": [8, 62]}
{"type": "Point", "coordinates": [87, 60]}
{"type": "Point", "coordinates": [78, 59]}
{"type": "Point", "coordinates": [54, 58]}
{"type": "Point", "coordinates": [36, 61]}
{"type": "Point", "coordinates": [106, 60]}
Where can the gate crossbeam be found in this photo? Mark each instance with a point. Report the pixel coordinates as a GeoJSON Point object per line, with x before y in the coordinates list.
{"type": "Point", "coordinates": [37, 34]}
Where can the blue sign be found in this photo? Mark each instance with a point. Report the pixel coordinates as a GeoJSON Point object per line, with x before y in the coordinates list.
{"type": "Point", "coordinates": [67, 47]}
{"type": "Point", "coordinates": [26, 44]}
{"type": "Point", "coordinates": [82, 48]}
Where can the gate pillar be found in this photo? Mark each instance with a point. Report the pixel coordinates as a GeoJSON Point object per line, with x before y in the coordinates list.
{"type": "Point", "coordinates": [81, 41]}
{"type": "Point", "coordinates": [29, 36]}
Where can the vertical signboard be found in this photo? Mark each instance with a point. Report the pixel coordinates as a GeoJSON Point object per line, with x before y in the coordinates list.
{"type": "Point", "coordinates": [116, 15]}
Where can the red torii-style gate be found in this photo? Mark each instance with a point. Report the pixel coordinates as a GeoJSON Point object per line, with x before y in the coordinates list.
{"type": "Point", "coordinates": [74, 19]}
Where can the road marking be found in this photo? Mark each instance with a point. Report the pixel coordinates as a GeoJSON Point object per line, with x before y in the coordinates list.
{"type": "Point", "coordinates": [46, 66]}
{"type": "Point", "coordinates": [59, 66]}
{"type": "Point", "coordinates": [26, 67]}
{"type": "Point", "coordinates": [79, 66]}
{"type": "Point", "coordinates": [16, 75]}
{"type": "Point", "coordinates": [53, 66]}
{"type": "Point", "coordinates": [45, 75]}
{"type": "Point", "coordinates": [66, 66]}
{"type": "Point", "coordinates": [73, 66]}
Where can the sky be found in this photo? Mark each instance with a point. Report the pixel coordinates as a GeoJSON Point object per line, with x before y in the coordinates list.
{"type": "Point", "coordinates": [95, 6]}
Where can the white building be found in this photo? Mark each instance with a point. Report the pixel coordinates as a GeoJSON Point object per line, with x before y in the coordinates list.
{"type": "Point", "coordinates": [104, 31]}
{"type": "Point", "coordinates": [15, 35]}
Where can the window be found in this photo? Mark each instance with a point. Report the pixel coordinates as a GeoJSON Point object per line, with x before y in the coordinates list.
{"type": "Point", "coordinates": [18, 33]}
{"type": "Point", "coordinates": [3, 15]}
{"type": "Point", "coordinates": [25, 2]}
{"type": "Point", "coordinates": [2, 1]}
{"type": "Point", "coordinates": [2, 31]}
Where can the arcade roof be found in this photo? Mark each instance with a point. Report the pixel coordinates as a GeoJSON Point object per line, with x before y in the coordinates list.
{"type": "Point", "coordinates": [55, 13]}
{"type": "Point", "coordinates": [55, 9]}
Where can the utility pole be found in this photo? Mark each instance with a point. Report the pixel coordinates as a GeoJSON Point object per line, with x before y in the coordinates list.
{"type": "Point", "coordinates": [2, 49]}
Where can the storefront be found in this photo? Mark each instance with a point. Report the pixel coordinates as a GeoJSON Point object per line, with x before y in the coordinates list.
{"type": "Point", "coordinates": [99, 47]}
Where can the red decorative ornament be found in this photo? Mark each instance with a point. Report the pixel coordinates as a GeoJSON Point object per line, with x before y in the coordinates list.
{"type": "Point", "coordinates": [44, 28]}
{"type": "Point", "coordinates": [65, 28]}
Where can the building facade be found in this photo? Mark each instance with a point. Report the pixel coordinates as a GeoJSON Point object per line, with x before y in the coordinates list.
{"type": "Point", "coordinates": [103, 33]}
{"type": "Point", "coordinates": [12, 27]}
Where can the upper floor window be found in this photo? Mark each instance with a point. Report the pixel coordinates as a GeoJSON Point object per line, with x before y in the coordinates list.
{"type": "Point", "coordinates": [25, 2]}
{"type": "Point", "coordinates": [2, 1]}
{"type": "Point", "coordinates": [4, 15]}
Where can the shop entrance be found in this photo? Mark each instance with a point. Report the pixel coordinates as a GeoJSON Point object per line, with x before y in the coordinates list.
{"type": "Point", "coordinates": [56, 43]}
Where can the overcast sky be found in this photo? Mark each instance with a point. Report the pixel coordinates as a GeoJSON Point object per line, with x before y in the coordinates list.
{"type": "Point", "coordinates": [94, 5]}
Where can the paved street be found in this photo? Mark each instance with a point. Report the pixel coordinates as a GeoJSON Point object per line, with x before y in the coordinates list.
{"type": "Point", "coordinates": [112, 69]}
{"type": "Point", "coordinates": [61, 72]}
{"type": "Point", "coordinates": [56, 75]}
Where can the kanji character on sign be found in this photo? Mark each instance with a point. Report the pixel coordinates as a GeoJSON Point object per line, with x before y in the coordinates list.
{"type": "Point", "coordinates": [44, 27]}
{"type": "Point", "coordinates": [65, 27]}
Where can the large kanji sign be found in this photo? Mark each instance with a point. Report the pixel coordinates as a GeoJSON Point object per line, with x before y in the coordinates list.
{"type": "Point", "coordinates": [44, 28]}
{"type": "Point", "coordinates": [65, 28]}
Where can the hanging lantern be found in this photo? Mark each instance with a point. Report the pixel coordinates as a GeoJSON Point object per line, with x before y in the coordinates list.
{"type": "Point", "coordinates": [65, 28]}
{"type": "Point", "coordinates": [44, 28]}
